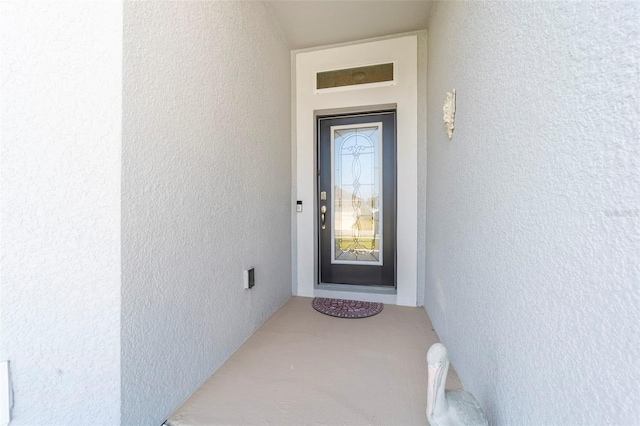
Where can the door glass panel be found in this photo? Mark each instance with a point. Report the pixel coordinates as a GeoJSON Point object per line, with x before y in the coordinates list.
{"type": "Point", "coordinates": [354, 76]}
{"type": "Point", "coordinates": [356, 161]}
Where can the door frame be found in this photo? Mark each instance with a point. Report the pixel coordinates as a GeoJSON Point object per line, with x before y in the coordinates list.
{"type": "Point", "coordinates": [403, 95]}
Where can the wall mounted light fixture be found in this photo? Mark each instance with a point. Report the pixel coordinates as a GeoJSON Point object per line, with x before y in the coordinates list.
{"type": "Point", "coordinates": [449, 110]}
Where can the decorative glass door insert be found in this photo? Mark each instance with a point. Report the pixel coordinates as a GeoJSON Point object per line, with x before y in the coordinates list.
{"type": "Point", "coordinates": [356, 163]}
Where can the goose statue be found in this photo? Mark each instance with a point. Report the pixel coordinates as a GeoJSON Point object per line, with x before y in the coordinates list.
{"type": "Point", "coordinates": [448, 408]}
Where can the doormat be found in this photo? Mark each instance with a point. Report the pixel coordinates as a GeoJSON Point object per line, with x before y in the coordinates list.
{"type": "Point", "coordinates": [342, 308]}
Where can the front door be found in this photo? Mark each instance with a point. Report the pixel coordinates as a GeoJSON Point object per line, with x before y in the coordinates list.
{"type": "Point", "coordinates": [357, 198]}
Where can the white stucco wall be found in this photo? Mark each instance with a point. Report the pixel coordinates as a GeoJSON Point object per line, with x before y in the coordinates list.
{"type": "Point", "coordinates": [533, 214]}
{"type": "Point", "coordinates": [206, 192]}
{"type": "Point", "coordinates": [60, 277]}
{"type": "Point", "coordinates": [402, 50]}
{"type": "Point", "coordinates": [421, 155]}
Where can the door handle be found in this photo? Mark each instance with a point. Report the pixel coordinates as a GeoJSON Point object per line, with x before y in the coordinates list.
{"type": "Point", "coordinates": [323, 210]}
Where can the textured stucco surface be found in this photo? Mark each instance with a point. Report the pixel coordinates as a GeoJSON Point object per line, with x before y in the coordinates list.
{"type": "Point", "coordinates": [533, 215]}
{"type": "Point", "coordinates": [60, 278]}
{"type": "Point", "coordinates": [205, 192]}
{"type": "Point", "coordinates": [422, 162]}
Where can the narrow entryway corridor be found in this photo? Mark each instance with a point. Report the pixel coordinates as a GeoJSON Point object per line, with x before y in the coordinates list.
{"type": "Point", "coordinates": [302, 367]}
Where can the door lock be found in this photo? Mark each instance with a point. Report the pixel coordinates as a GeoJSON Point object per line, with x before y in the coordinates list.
{"type": "Point", "coordinates": [323, 210]}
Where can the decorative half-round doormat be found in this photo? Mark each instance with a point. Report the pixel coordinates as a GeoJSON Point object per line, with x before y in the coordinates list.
{"type": "Point", "coordinates": [343, 308]}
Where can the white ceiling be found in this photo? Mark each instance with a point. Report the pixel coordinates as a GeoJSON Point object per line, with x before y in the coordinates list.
{"type": "Point", "coordinates": [311, 23]}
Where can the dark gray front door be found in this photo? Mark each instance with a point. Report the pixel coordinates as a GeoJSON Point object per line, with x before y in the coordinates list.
{"type": "Point", "coordinates": [357, 198]}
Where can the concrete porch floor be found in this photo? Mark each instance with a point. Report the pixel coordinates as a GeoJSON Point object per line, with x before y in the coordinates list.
{"type": "Point", "coordinates": [305, 368]}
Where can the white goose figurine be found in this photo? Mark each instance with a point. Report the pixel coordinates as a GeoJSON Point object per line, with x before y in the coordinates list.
{"type": "Point", "coordinates": [448, 408]}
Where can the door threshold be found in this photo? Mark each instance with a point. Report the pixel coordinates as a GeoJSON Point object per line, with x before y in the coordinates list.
{"type": "Point", "coordinates": [357, 288]}
{"type": "Point", "coordinates": [377, 294]}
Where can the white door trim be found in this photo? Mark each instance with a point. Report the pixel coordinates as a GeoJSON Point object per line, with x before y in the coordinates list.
{"type": "Point", "coordinates": [403, 52]}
